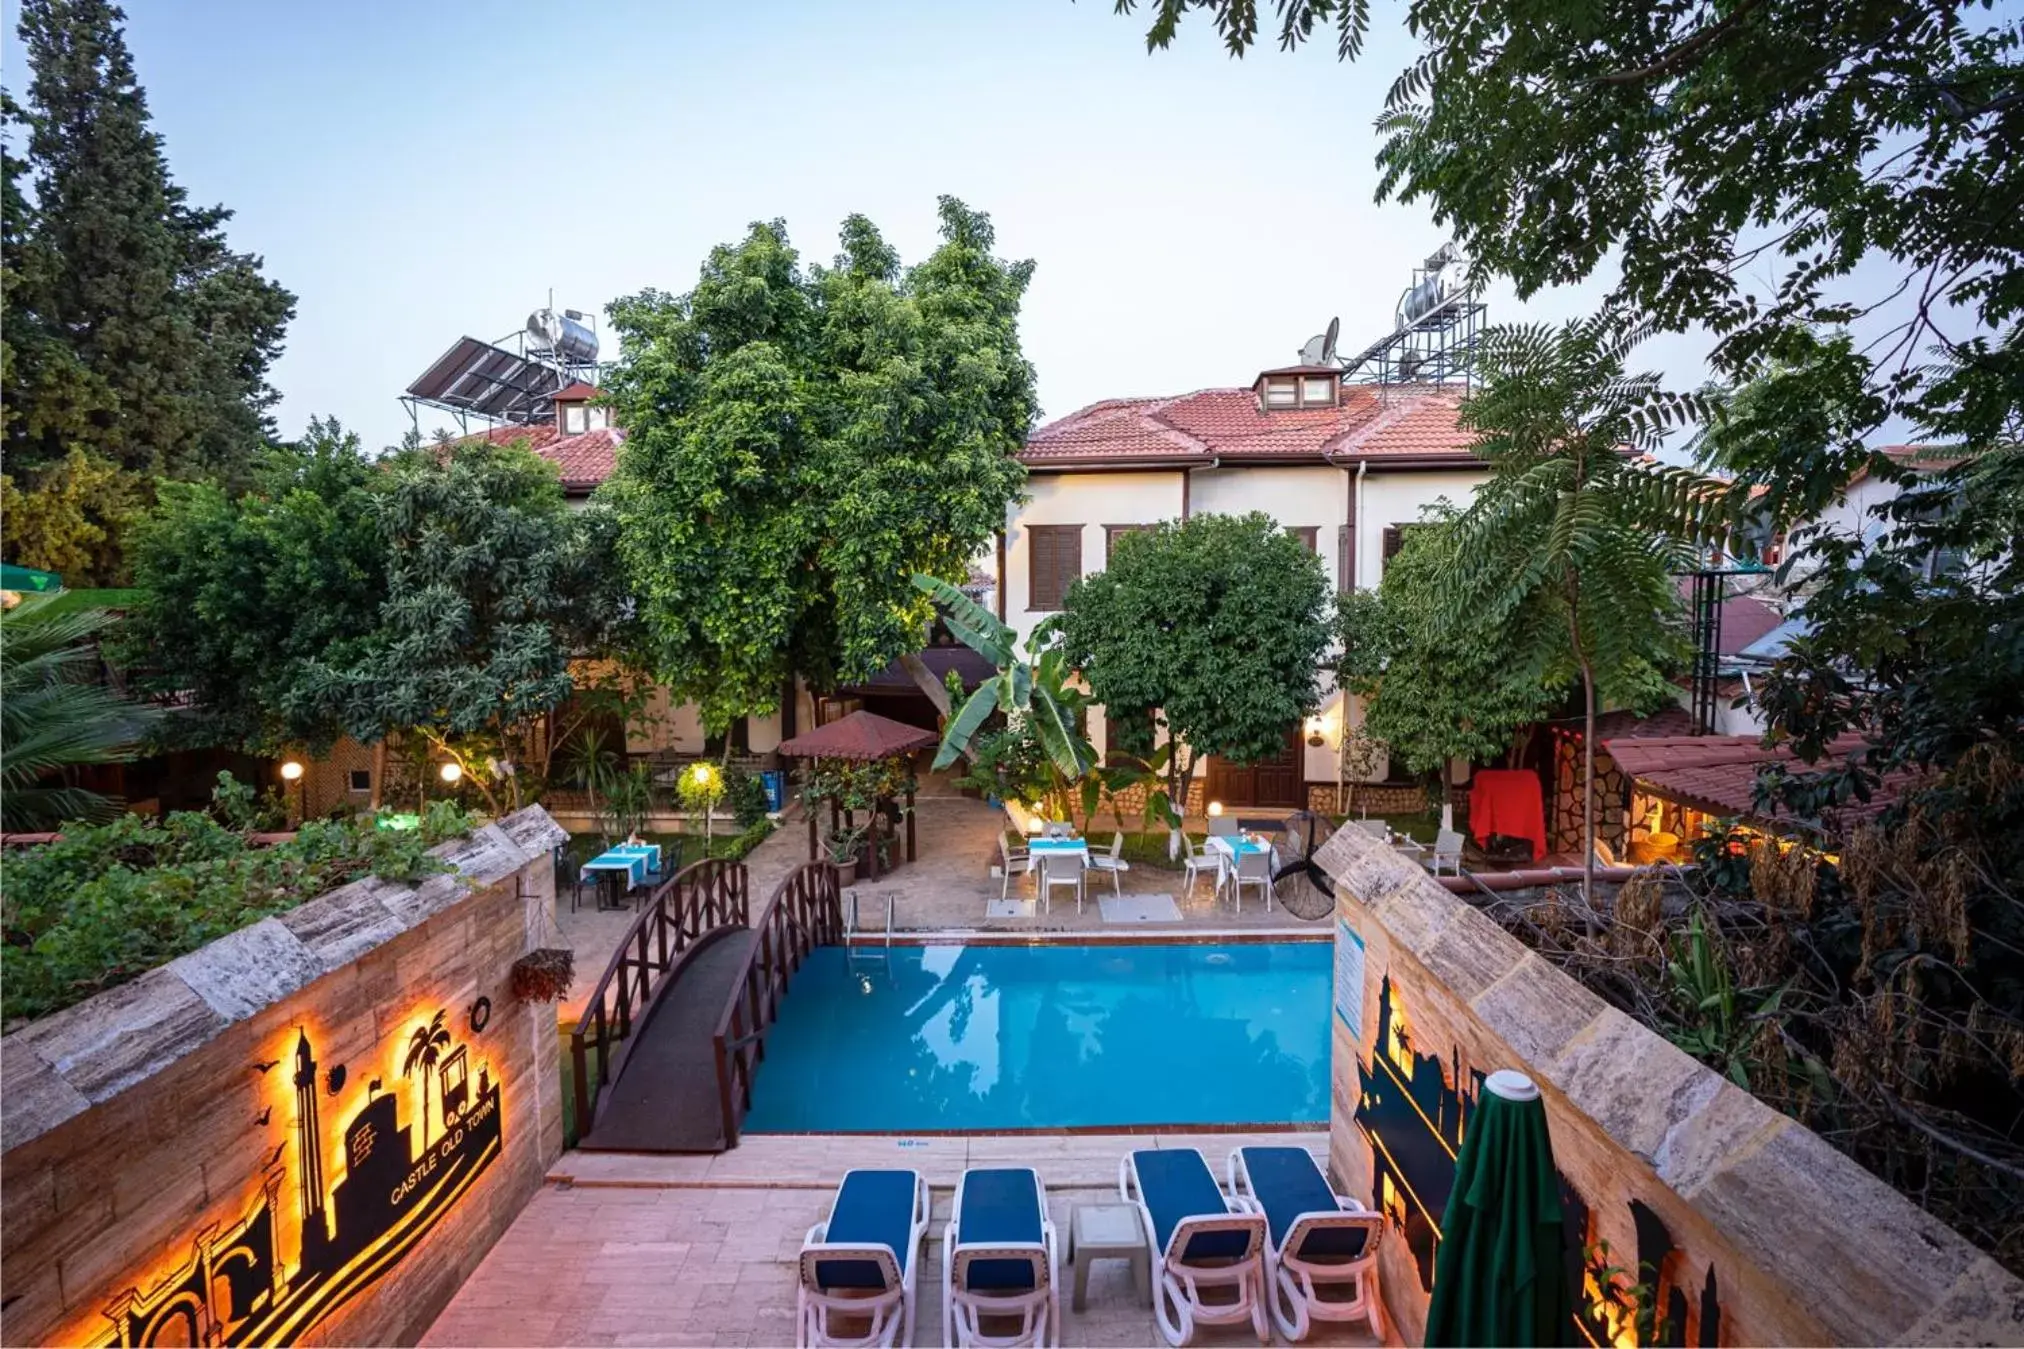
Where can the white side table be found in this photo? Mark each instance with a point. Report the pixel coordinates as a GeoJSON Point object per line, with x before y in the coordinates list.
{"type": "Point", "coordinates": [1106, 1232]}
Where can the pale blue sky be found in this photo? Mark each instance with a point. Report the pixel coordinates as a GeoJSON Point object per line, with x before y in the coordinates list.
{"type": "Point", "coordinates": [416, 172]}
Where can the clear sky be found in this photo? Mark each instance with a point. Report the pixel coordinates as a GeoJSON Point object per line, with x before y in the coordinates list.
{"type": "Point", "coordinates": [420, 171]}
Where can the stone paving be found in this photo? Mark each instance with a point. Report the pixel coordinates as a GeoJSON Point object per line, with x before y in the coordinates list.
{"type": "Point", "coordinates": [624, 1249]}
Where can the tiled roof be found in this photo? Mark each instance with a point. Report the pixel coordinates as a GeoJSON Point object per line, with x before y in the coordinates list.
{"type": "Point", "coordinates": [862, 736]}
{"type": "Point", "coordinates": [1227, 423]}
{"type": "Point", "coordinates": [1745, 618]}
{"type": "Point", "coordinates": [576, 392]}
{"type": "Point", "coordinates": [584, 460]}
{"type": "Point", "coordinates": [1719, 772]}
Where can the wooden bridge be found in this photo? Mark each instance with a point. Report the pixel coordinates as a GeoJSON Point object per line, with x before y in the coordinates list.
{"type": "Point", "coordinates": [672, 1034]}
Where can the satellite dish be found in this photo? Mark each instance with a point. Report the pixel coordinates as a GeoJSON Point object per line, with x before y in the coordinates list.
{"type": "Point", "coordinates": [1311, 353]}
{"type": "Point", "coordinates": [1328, 342]}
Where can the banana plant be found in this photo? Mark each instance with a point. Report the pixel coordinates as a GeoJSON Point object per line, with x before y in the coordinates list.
{"type": "Point", "coordinates": [1033, 685]}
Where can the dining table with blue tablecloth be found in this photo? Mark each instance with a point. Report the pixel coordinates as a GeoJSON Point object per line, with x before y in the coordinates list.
{"type": "Point", "coordinates": [622, 868]}
{"type": "Point", "coordinates": [1232, 848]}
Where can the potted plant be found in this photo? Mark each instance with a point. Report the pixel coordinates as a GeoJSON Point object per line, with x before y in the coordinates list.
{"type": "Point", "coordinates": [844, 845]}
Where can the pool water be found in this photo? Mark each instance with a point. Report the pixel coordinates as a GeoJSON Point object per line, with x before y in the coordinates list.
{"type": "Point", "coordinates": [919, 1038]}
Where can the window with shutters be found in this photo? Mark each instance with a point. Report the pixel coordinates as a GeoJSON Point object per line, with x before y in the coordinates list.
{"type": "Point", "coordinates": [1309, 536]}
{"type": "Point", "coordinates": [1112, 533]}
{"type": "Point", "coordinates": [1345, 558]}
{"type": "Point", "coordinates": [1055, 562]}
{"type": "Point", "coordinates": [1394, 539]}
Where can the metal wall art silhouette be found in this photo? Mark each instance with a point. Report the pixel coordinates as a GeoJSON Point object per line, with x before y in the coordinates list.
{"type": "Point", "coordinates": [302, 1250]}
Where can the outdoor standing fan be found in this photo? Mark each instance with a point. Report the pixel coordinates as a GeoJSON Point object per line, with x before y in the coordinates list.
{"type": "Point", "coordinates": [1301, 834]}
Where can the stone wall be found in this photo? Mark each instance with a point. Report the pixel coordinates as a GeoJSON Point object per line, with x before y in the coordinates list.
{"type": "Point", "coordinates": [1751, 1228]}
{"type": "Point", "coordinates": [1370, 798]}
{"type": "Point", "coordinates": [309, 1131]}
{"type": "Point", "coordinates": [1612, 790]}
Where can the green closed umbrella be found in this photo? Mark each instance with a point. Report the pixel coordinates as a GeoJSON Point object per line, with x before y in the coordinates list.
{"type": "Point", "coordinates": [1500, 1277]}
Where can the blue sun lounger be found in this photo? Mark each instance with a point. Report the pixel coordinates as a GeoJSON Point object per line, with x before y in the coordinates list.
{"type": "Point", "coordinates": [1319, 1241]}
{"type": "Point", "coordinates": [1000, 1259]}
{"type": "Point", "coordinates": [862, 1263]}
{"type": "Point", "coordinates": [1198, 1238]}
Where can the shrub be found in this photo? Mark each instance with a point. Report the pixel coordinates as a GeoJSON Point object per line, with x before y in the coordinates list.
{"type": "Point", "coordinates": [745, 794]}
{"type": "Point", "coordinates": [110, 902]}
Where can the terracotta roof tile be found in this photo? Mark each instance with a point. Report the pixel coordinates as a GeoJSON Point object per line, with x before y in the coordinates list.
{"type": "Point", "coordinates": [1400, 422]}
{"type": "Point", "coordinates": [862, 736]}
{"type": "Point", "coordinates": [1719, 772]}
{"type": "Point", "coordinates": [583, 460]}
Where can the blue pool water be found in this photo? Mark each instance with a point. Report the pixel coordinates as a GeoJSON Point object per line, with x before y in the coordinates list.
{"type": "Point", "coordinates": [1054, 1036]}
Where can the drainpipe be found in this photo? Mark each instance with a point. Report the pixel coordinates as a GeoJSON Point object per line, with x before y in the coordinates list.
{"type": "Point", "coordinates": [1356, 541]}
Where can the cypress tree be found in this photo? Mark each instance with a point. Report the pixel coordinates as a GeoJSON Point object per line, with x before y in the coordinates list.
{"type": "Point", "coordinates": [135, 333]}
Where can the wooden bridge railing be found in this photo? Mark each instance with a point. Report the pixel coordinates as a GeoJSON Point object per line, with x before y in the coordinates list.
{"type": "Point", "coordinates": [804, 913]}
{"type": "Point", "coordinates": [694, 906]}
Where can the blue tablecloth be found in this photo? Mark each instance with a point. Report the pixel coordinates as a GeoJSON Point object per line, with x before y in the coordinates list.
{"type": "Point", "coordinates": [1036, 846]}
{"type": "Point", "coordinates": [636, 860]}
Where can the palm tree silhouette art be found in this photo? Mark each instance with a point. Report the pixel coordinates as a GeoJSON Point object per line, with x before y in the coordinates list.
{"type": "Point", "coordinates": [426, 1046]}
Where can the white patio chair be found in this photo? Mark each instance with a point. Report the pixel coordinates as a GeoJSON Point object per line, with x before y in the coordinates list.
{"type": "Point", "coordinates": [1112, 862]}
{"type": "Point", "coordinates": [1012, 859]}
{"type": "Point", "coordinates": [1199, 860]}
{"type": "Point", "coordinates": [1253, 868]}
{"type": "Point", "coordinates": [1058, 869]}
{"type": "Point", "coordinates": [1447, 852]}
{"type": "Point", "coordinates": [1223, 826]}
{"type": "Point", "coordinates": [1058, 829]}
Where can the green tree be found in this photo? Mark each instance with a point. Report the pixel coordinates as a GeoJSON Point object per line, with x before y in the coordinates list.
{"type": "Point", "coordinates": [57, 713]}
{"type": "Point", "coordinates": [1555, 555]}
{"type": "Point", "coordinates": [242, 593]}
{"type": "Point", "coordinates": [1434, 689]}
{"type": "Point", "coordinates": [118, 268]}
{"type": "Point", "coordinates": [492, 585]}
{"type": "Point", "coordinates": [1043, 738]}
{"type": "Point", "coordinates": [1212, 628]}
{"type": "Point", "coordinates": [1731, 177]}
{"type": "Point", "coordinates": [135, 334]}
{"type": "Point", "coordinates": [800, 443]}
{"type": "Point", "coordinates": [71, 516]}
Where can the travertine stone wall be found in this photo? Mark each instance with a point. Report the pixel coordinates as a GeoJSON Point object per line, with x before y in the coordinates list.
{"type": "Point", "coordinates": [233, 1148]}
{"type": "Point", "coordinates": [1751, 1228]}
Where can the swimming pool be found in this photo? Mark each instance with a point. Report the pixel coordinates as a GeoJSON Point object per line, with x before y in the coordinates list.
{"type": "Point", "coordinates": [1054, 1036]}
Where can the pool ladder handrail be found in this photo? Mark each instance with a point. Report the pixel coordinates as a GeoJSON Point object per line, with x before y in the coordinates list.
{"type": "Point", "coordinates": [853, 923]}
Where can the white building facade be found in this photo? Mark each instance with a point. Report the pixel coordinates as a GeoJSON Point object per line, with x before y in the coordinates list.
{"type": "Point", "coordinates": [1344, 467]}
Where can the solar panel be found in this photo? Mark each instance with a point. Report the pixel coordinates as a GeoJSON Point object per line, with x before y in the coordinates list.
{"type": "Point", "coordinates": [477, 377]}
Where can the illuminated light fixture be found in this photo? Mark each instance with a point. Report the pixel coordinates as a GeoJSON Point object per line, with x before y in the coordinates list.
{"type": "Point", "coordinates": [452, 772]}
{"type": "Point", "coordinates": [291, 771]}
{"type": "Point", "coordinates": [1314, 733]}
{"type": "Point", "coordinates": [1216, 809]}
{"type": "Point", "coordinates": [701, 773]}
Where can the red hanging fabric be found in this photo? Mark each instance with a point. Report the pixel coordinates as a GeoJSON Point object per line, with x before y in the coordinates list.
{"type": "Point", "coordinates": [1508, 801]}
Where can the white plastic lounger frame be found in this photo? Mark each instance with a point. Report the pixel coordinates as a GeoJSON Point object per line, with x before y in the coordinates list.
{"type": "Point", "coordinates": [963, 1307]}
{"type": "Point", "coordinates": [1296, 1285]}
{"type": "Point", "coordinates": [890, 1312]}
{"type": "Point", "coordinates": [1178, 1284]}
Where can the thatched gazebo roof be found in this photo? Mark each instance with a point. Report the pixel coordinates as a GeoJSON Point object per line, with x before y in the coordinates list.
{"type": "Point", "coordinates": [862, 736]}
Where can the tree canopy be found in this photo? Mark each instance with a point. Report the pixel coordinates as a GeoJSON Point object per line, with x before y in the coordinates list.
{"type": "Point", "coordinates": [1555, 555]}
{"type": "Point", "coordinates": [442, 591]}
{"type": "Point", "coordinates": [1434, 689]}
{"type": "Point", "coordinates": [240, 592]}
{"type": "Point", "coordinates": [1733, 177]}
{"type": "Point", "coordinates": [1212, 628]}
{"type": "Point", "coordinates": [134, 333]}
{"type": "Point", "coordinates": [801, 442]}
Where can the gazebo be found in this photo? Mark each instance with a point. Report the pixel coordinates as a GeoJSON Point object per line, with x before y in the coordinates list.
{"type": "Point", "coordinates": [861, 737]}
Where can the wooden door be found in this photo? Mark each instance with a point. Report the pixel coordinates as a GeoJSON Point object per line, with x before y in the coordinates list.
{"type": "Point", "coordinates": [1279, 781]}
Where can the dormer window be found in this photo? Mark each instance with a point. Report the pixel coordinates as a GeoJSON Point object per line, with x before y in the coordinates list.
{"type": "Point", "coordinates": [575, 419]}
{"type": "Point", "coordinates": [1287, 390]}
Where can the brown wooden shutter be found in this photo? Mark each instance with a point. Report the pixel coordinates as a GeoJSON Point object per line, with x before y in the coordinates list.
{"type": "Point", "coordinates": [1345, 559]}
{"type": "Point", "coordinates": [1394, 539]}
{"type": "Point", "coordinates": [1112, 533]}
{"type": "Point", "coordinates": [1309, 536]}
{"type": "Point", "coordinates": [1056, 552]}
